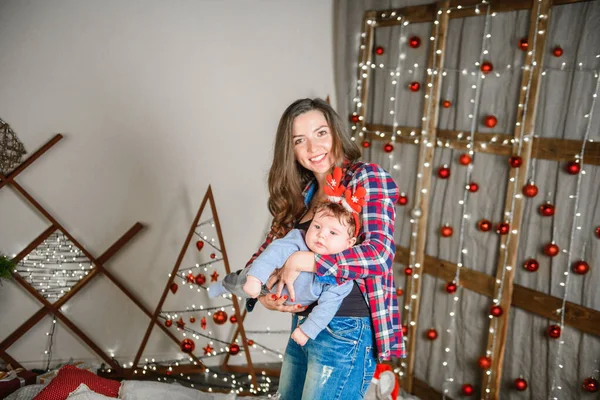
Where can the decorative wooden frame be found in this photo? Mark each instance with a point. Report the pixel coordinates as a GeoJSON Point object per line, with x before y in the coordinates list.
{"type": "Point", "coordinates": [539, 303]}
{"type": "Point", "coordinates": [98, 262]}
{"type": "Point", "coordinates": [200, 367]}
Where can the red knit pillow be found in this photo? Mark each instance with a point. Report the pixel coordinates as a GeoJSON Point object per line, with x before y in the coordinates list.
{"type": "Point", "coordinates": [70, 377]}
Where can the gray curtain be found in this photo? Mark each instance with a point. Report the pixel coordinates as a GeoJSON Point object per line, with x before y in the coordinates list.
{"type": "Point", "coordinates": [565, 99]}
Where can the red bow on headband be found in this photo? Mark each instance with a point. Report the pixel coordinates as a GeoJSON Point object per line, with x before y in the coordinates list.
{"type": "Point", "coordinates": [337, 193]}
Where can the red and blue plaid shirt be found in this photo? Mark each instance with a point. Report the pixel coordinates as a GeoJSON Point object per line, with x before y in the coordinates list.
{"type": "Point", "coordinates": [371, 262]}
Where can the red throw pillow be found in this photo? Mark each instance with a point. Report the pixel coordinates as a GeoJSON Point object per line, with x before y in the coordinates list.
{"type": "Point", "coordinates": [70, 377]}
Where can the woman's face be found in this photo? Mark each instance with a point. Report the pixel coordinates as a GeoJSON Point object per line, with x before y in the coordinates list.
{"type": "Point", "coordinates": [313, 143]}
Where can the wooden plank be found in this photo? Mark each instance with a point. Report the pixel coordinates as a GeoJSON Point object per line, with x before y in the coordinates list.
{"type": "Point", "coordinates": [25, 326]}
{"type": "Point", "coordinates": [514, 204]}
{"type": "Point", "coordinates": [423, 185]}
{"type": "Point", "coordinates": [363, 75]}
{"type": "Point", "coordinates": [493, 143]}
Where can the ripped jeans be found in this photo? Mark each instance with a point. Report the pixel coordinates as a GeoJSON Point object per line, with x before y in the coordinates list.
{"type": "Point", "coordinates": [338, 364]}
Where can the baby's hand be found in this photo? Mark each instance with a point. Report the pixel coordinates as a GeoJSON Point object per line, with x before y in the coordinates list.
{"type": "Point", "coordinates": [252, 286]}
{"type": "Point", "coordinates": [299, 336]}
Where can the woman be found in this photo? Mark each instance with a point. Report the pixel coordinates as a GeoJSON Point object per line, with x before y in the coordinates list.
{"type": "Point", "coordinates": [340, 362]}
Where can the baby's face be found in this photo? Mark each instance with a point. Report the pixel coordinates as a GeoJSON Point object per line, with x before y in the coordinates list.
{"type": "Point", "coordinates": [327, 235]}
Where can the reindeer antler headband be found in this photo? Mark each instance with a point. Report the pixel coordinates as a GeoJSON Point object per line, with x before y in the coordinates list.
{"type": "Point", "coordinates": [337, 193]}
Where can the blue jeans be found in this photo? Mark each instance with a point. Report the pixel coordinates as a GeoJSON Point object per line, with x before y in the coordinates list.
{"type": "Point", "coordinates": [338, 364]}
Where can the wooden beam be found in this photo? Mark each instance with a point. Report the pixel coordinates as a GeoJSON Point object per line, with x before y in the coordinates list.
{"type": "Point", "coordinates": [491, 143]}
{"type": "Point", "coordinates": [419, 229]}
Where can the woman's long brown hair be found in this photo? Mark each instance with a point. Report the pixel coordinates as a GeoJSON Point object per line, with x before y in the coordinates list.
{"type": "Point", "coordinates": [287, 178]}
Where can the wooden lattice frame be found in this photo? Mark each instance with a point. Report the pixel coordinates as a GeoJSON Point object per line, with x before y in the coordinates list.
{"type": "Point", "coordinates": [199, 367]}
{"type": "Point", "coordinates": [583, 318]}
{"type": "Point", "coordinates": [98, 262]}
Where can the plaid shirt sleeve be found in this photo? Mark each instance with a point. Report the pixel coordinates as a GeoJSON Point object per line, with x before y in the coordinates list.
{"type": "Point", "coordinates": [374, 256]}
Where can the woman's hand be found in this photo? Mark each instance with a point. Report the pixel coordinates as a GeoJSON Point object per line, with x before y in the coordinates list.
{"type": "Point", "coordinates": [300, 261]}
{"type": "Point", "coordinates": [273, 302]}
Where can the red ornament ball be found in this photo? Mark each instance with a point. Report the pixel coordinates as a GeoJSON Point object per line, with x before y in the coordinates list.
{"type": "Point", "coordinates": [388, 147]}
{"type": "Point", "coordinates": [187, 345]}
{"type": "Point", "coordinates": [354, 118]}
{"type": "Point", "coordinates": [581, 267]}
{"type": "Point", "coordinates": [200, 279]}
{"type": "Point", "coordinates": [213, 255]}
{"type": "Point", "coordinates": [233, 319]}
{"type": "Point", "coordinates": [496, 311]}
{"type": "Point", "coordinates": [451, 287]}
{"type": "Point", "coordinates": [199, 245]}
{"type": "Point", "coordinates": [220, 317]}
{"type": "Point", "coordinates": [234, 348]}
{"type": "Point", "coordinates": [446, 231]}
{"type": "Point", "coordinates": [192, 320]}
{"type": "Point", "coordinates": [443, 172]}
{"type": "Point", "coordinates": [168, 323]}
{"type": "Point", "coordinates": [486, 67]}
{"type": "Point", "coordinates": [408, 271]}
{"type": "Point", "coordinates": [414, 86]}
{"type": "Point", "coordinates": [467, 389]}
{"type": "Point", "coordinates": [473, 187]}
{"type": "Point", "coordinates": [551, 249]}
{"type": "Point", "coordinates": [366, 144]}
{"type": "Point", "coordinates": [414, 42]}
{"type": "Point", "coordinates": [598, 232]}
{"type": "Point", "coordinates": [379, 50]}
{"type": "Point", "coordinates": [174, 287]}
{"type": "Point", "coordinates": [557, 51]}
{"type": "Point", "coordinates": [503, 228]}
{"type": "Point", "coordinates": [446, 103]}
{"type": "Point", "coordinates": [402, 200]}
{"type": "Point", "coordinates": [515, 161]}
{"type": "Point", "coordinates": [591, 385]}
{"type": "Point", "coordinates": [531, 265]}
{"type": "Point", "coordinates": [573, 167]}
{"type": "Point", "coordinates": [547, 210]}
{"type": "Point", "coordinates": [404, 330]}
{"type": "Point", "coordinates": [250, 342]}
{"type": "Point", "coordinates": [465, 159]}
{"type": "Point", "coordinates": [484, 225]}
{"type": "Point", "coordinates": [523, 45]}
{"type": "Point", "coordinates": [484, 362]}
{"type": "Point", "coordinates": [530, 190]}
{"type": "Point", "coordinates": [490, 121]}
{"type": "Point", "coordinates": [431, 334]}
{"type": "Point", "coordinates": [399, 292]}
{"type": "Point", "coordinates": [520, 384]}
{"type": "Point", "coordinates": [553, 331]}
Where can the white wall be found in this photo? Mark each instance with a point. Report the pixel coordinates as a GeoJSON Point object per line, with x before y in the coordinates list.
{"type": "Point", "coordinates": [156, 100]}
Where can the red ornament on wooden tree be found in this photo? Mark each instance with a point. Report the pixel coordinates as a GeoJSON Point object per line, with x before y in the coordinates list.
{"type": "Point", "coordinates": [557, 51]}
{"type": "Point", "coordinates": [487, 67]}
{"type": "Point", "coordinates": [473, 187]}
{"type": "Point", "coordinates": [590, 385]}
{"type": "Point", "coordinates": [208, 349]}
{"type": "Point", "coordinates": [192, 320]}
{"type": "Point", "coordinates": [496, 311]}
{"type": "Point", "coordinates": [190, 278]}
{"type": "Point", "coordinates": [414, 42]}
{"type": "Point", "coordinates": [199, 245]}
{"type": "Point", "coordinates": [399, 291]}
{"type": "Point", "coordinates": [220, 317]}
{"type": "Point", "coordinates": [553, 331]}
{"type": "Point", "coordinates": [515, 161]}
{"type": "Point", "coordinates": [187, 345]}
{"type": "Point", "coordinates": [214, 276]}
{"type": "Point", "coordinates": [168, 323]}
{"type": "Point", "coordinates": [573, 167]}
{"type": "Point", "coordinates": [581, 267]}
{"type": "Point", "coordinates": [598, 232]}
{"type": "Point", "coordinates": [408, 271]}
{"type": "Point", "coordinates": [431, 334]}
{"type": "Point", "coordinates": [233, 319]}
{"type": "Point", "coordinates": [354, 118]}
{"type": "Point", "coordinates": [403, 199]}
{"type": "Point", "coordinates": [388, 147]}
{"type": "Point", "coordinates": [465, 159]}
{"type": "Point", "coordinates": [446, 231]}
{"type": "Point", "coordinates": [379, 50]}
{"type": "Point", "coordinates": [443, 172]}
{"type": "Point", "coordinates": [234, 348]}
{"type": "Point", "coordinates": [531, 265]}
{"type": "Point", "coordinates": [404, 330]}
{"type": "Point", "coordinates": [484, 362]}
{"type": "Point", "coordinates": [173, 287]}
{"type": "Point", "coordinates": [250, 342]}
{"type": "Point", "coordinates": [213, 255]}
{"type": "Point", "coordinates": [414, 86]}
{"type": "Point", "coordinates": [551, 249]}
{"type": "Point", "coordinates": [467, 389]}
{"type": "Point", "coordinates": [446, 103]}
{"type": "Point", "coordinates": [484, 225]}
{"type": "Point", "coordinates": [523, 45]}
{"type": "Point", "coordinates": [451, 287]}
{"type": "Point", "coordinates": [520, 384]}
{"type": "Point", "coordinates": [203, 323]}
{"type": "Point", "coordinates": [503, 228]}
{"type": "Point", "coordinates": [200, 279]}
{"type": "Point", "coordinates": [547, 210]}
{"type": "Point", "coordinates": [530, 190]}
{"type": "Point", "coordinates": [366, 144]}
{"type": "Point", "coordinates": [180, 323]}
{"type": "Point", "coordinates": [490, 121]}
